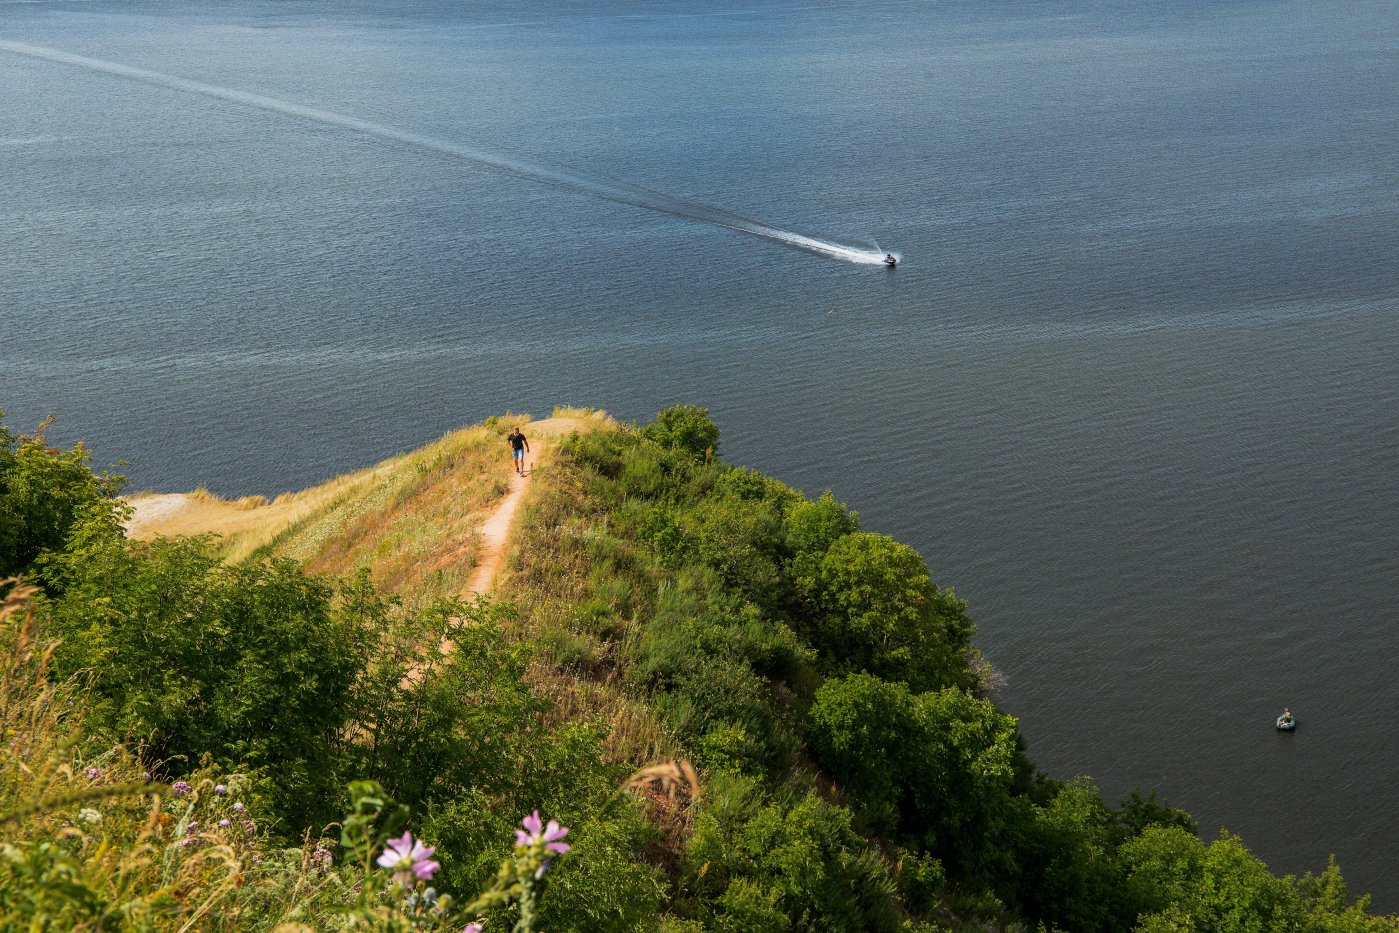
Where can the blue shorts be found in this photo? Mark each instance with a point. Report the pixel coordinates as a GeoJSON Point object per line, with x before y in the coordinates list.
{"type": "Point", "coordinates": [519, 455]}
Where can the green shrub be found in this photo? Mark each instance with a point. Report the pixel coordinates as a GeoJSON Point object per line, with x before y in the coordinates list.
{"type": "Point", "coordinates": [740, 541]}
{"type": "Point", "coordinates": [189, 656]}
{"type": "Point", "coordinates": [687, 428]}
{"type": "Point", "coordinates": [764, 864]}
{"type": "Point", "coordinates": [568, 651]}
{"type": "Point", "coordinates": [878, 611]}
{"type": "Point", "coordinates": [44, 493]}
{"type": "Point", "coordinates": [937, 768]}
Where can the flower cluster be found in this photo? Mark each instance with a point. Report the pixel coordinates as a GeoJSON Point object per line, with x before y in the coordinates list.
{"type": "Point", "coordinates": [535, 833]}
{"type": "Point", "coordinates": [407, 858]}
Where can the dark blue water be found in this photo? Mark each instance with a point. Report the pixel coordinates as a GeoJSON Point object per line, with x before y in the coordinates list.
{"type": "Point", "coordinates": [1132, 392]}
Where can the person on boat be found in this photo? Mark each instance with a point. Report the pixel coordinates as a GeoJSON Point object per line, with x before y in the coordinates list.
{"type": "Point", "coordinates": [889, 259]}
{"type": "Point", "coordinates": [1286, 715]}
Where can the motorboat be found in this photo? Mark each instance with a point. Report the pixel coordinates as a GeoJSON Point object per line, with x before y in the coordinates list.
{"type": "Point", "coordinates": [890, 260]}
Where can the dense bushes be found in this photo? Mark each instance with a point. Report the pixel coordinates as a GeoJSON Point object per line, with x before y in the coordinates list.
{"type": "Point", "coordinates": [44, 492]}
{"type": "Point", "coordinates": [854, 774]}
{"type": "Point", "coordinates": [857, 776]}
{"type": "Point", "coordinates": [935, 770]}
{"type": "Point", "coordinates": [187, 656]}
{"type": "Point", "coordinates": [764, 864]}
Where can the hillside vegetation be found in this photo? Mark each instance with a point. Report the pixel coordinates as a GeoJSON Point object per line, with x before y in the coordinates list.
{"type": "Point", "coordinates": [747, 713]}
{"type": "Point", "coordinates": [411, 520]}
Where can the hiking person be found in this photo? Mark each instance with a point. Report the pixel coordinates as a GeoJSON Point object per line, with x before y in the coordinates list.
{"type": "Point", "coordinates": [519, 446]}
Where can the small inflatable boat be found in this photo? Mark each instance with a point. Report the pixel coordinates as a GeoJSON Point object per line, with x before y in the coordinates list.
{"type": "Point", "coordinates": [1286, 723]}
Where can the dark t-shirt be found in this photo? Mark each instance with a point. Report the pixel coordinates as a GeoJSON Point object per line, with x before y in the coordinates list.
{"type": "Point", "coordinates": [517, 441]}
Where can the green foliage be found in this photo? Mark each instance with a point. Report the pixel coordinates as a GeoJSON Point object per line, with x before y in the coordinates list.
{"type": "Point", "coordinates": [44, 493]}
{"type": "Point", "coordinates": [937, 768]}
{"type": "Point", "coordinates": [685, 427]}
{"type": "Point", "coordinates": [812, 527]}
{"type": "Point", "coordinates": [853, 780]}
{"type": "Point", "coordinates": [1137, 812]}
{"type": "Point", "coordinates": [766, 864]}
{"type": "Point", "coordinates": [1074, 879]}
{"type": "Point", "coordinates": [186, 656]}
{"type": "Point", "coordinates": [740, 543]}
{"type": "Point", "coordinates": [1182, 884]}
{"type": "Point", "coordinates": [878, 611]}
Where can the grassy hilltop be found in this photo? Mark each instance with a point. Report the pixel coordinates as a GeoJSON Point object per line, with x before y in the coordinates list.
{"type": "Point", "coordinates": [330, 709]}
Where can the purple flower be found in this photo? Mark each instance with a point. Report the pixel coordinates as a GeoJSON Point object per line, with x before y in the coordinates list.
{"type": "Point", "coordinates": [223, 823]}
{"type": "Point", "coordinates": [94, 773]}
{"type": "Point", "coordinates": [322, 856]}
{"type": "Point", "coordinates": [220, 788]}
{"type": "Point", "coordinates": [405, 854]}
{"type": "Point", "coordinates": [238, 807]}
{"type": "Point", "coordinates": [535, 831]}
{"type": "Point", "coordinates": [192, 828]}
{"type": "Point", "coordinates": [181, 788]}
{"type": "Point", "coordinates": [471, 928]}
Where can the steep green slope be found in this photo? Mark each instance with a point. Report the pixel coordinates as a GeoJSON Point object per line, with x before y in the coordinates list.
{"type": "Point", "coordinates": [751, 715]}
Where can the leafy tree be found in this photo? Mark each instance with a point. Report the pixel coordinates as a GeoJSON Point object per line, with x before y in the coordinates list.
{"type": "Point", "coordinates": [189, 656]}
{"type": "Point", "coordinates": [1137, 812]}
{"type": "Point", "coordinates": [44, 493]}
{"type": "Point", "coordinates": [685, 427]}
{"type": "Point", "coordinates": [936, 768]}
{"type": "Point", "coordinates": [768, 865]}
{"type": "Point", "coordinates": [878, 611]}
{"type": "Point", "coordinates": [1182, 884]}
{"type": "Point", "coordinates": [812, 527]}
{"type": "Point", "coordinates": [740, 542]}
{"type": "Point", "coordinates": [1071, 874]}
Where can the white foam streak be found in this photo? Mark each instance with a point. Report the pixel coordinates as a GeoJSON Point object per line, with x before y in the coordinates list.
{"type": "Point", "coordinates": [613, 191]}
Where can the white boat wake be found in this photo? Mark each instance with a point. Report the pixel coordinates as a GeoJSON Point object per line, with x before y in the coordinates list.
{"type": "Point", "coordinates": [612, 191]}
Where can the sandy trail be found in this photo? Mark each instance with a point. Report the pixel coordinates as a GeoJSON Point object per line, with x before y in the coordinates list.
{"type": "Point", "coordinates": [495, 534]}
{"type": "Point", "coordinates": [166, 511]}
{"type": "Point", "coordinates": [496, 529]}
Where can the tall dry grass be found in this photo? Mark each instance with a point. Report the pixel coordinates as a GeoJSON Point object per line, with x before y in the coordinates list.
{"type": "Point", "coordinates": [558, 590]}
{"type": "Point", "coordinates": [87, 842]}
{"type": "Point", "coordinates": [411, 519]}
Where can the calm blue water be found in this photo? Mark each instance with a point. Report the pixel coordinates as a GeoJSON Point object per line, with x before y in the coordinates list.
{"type": "Point", "coordinates": [1133, 391]}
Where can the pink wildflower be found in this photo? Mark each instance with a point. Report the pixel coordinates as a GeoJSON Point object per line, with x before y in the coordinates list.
{"type": "Point", "coordinates": [407, 854]}
{"type": "Point", "coordinates": [238, 807]}
{"type": "Point", "coordinates": [94, 773]}
{"type": "Point", "coordinates": [535, 831]}
{"type": "Point", "coordinates": [471, 928]}
{"type": "Point", "coordinates": [224, 823]}
{"type": "Point", "coordinates": [181, 788]}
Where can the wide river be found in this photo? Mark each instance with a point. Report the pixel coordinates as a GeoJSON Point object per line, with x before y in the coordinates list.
{"type": "Point", "coordinates": [1133, 391]}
